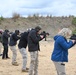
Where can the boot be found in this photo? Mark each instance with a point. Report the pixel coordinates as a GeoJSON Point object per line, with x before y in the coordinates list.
{"type": "Point", "coordinates": [15, 64]}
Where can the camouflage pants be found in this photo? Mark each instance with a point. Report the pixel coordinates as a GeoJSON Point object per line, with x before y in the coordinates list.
{"type": "Point", "coordinates": [14, 52]}
{"type": "Point", "coordinates": [60, 67]}
{"type": "Point", "coordinates": [24, 56]}
{"type": "Point", "coordinates": [33, 70]}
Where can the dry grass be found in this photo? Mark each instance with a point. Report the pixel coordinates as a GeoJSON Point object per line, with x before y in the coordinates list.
{"type": "Point", "coordinates": [46, 66]}
{"type": "Point", "coordinates": [49, 24]}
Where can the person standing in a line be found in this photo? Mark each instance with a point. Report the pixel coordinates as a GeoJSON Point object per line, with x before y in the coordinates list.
{"type": "Point", "coordinates": [1, 31]}
{"type": "Point", "coordinates": [13, 41]}
{"type": "Point", "coordinates": [60, 52]}
{"type": "Point", "coordinates": [22, 48]}
{"type": "Point", "coordinates": [5, 37]}
{"type": "Point", "coordinates": [33, 47]}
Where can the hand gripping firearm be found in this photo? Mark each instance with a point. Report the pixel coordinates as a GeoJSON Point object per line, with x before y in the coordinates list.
{"type": "Point", "coordinates": [45, 34]}
{"type": "Point", "coordinates": [73, 37]}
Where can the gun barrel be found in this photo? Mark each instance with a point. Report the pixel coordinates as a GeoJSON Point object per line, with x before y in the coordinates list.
{"type": "Point", "coordinates": [73, 37]}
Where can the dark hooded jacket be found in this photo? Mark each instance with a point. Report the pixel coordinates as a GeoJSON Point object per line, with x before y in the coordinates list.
{"type": "Point", "coordinates": [33, 40]}
{"type": "Point", "coordinates": [23, 40]}
{"type": "Point", "coordinates": [13, 39]}
{"type": "Point", "coordinates": [5, 37]}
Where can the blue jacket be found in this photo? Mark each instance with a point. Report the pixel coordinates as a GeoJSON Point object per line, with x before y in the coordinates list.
{"type": "Point", "coordinates": [61, 46]}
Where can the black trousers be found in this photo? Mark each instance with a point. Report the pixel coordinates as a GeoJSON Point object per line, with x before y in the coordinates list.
{"type": "Point", "coordinates": [5, 51]}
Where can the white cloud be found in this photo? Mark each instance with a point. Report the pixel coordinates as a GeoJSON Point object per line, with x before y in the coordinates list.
{"type": "Point", "coordinates": [27, 7]}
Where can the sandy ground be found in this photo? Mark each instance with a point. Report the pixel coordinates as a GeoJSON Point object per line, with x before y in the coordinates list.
{"type": "Point", "coordinates": [46, 66]}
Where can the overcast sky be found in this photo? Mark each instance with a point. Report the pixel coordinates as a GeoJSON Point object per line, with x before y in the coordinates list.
{"type": "Point", "coordinates": [43, 7]}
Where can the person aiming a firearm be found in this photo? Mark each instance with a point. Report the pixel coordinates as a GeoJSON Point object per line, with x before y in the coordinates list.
{"type": "Point", "coordinates": [5, 37]}
{"type": "Point", "coordinates": [60, 51]}
{"type": "Point", "coordinates": [13, 41]}
{"type": "Point", "coordinates": [22, 48]}
{"type": "Point", "coordinates": [33, 46]}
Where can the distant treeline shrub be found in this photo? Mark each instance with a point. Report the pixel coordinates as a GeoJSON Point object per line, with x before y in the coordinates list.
{"type": "Point", "coordinates": [74, 31]}
{"type": "Point", "coordinates": [1, 18]}
{"type": "Point", "coordinates": [74, 21]}
{"type": "Point", "coordinates": [15, 16]}
{"type": "Point", "coordinates": [33, 17]}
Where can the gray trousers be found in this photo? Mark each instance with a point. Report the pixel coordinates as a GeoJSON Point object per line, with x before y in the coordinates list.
{"type": "Point", "coordinates": [14, 52]}
{"type": "Point", "coordinates": [24, 56]}
{"type": "Point", "coordinates": [1, 48]}
{"type": "Point", "coordinates": [33, 70]}
{"type": "Point", "coordinates": [60, 67]}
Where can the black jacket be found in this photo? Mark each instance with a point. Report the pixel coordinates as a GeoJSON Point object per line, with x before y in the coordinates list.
{"type": "Point", "coordinates": [5, 37]}
{"type": "Point", "coordinates": [23, 40]}
{"type": "Point", "coordinates": [13, 39]}
{"type": "Point", "coordinates": [33, 41]}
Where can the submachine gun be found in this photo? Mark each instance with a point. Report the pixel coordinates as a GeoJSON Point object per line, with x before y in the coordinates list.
{"type": "Point", "coordinates": [45, 34]}
{"type": "Point", "coordinates": [73, 37]}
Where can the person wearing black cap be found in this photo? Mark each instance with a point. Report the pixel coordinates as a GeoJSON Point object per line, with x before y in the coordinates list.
{"type": "Point", "coordinates": [33, 48]}
{"type": "Point", "coordinates": [5, 37]}
{"type": "Point", "coordinates": [13, 41]}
